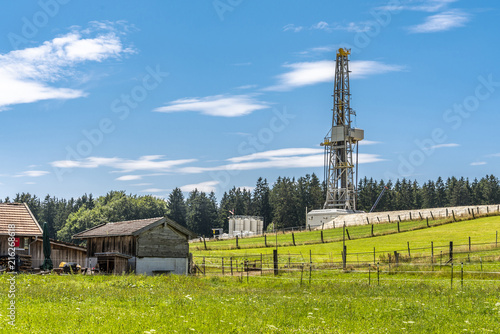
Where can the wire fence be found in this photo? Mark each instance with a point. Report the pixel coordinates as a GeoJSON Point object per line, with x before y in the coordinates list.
{"type": "Point", "coordinates": [308, 237]}
{"type": "Point", "coordinates": [470, 262]}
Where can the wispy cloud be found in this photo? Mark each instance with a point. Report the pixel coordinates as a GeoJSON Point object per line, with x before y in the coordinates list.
{"type": "Point", "coordinates": [218, 105]}
{"type": "Point", "coordinates": [280, 159]}
{"type": "Point", "coordinates": [32, 173]}
{"type": "Point", "coordinates": [207, 186]}
{"type": "Point", "coordinates": [153, 190]}
{"type": "Point", "coordinates": [442, 22]}
{"type": "Point", "coordinates": [246, 87]}
{"type": "Point", "coordinates": [29, 75]}
{"type": "Point", "coordinates": [368, 142]}
{"type": "Point", "coordinates": [293, 28]}
{"type": "Point", "coordinates": [129, 177]}
{"type": "Point", "coordinates": [443, 146]}
{"type": "Point", "coordinates": [419, 5]}
{"type": "Point", "coordinates": [478, 163]}
{"type": "Point", "coordinates": [144, 163]}
{"type": "Point", "coordinates": [310, 73]}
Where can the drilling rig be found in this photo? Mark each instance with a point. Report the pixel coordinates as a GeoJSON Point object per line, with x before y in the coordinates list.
{"type": "Point", "coordinates": [341, 150]}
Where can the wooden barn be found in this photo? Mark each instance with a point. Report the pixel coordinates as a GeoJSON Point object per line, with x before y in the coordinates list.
{"type": "Point", "coordinates": [144, 246]}
{"type": "Point", "coordinates": [17, 219]}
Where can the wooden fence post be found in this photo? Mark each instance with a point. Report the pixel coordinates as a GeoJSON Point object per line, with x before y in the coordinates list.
{"type": "Point", "coordinates": [293, 238]}
{"type": "Point", "coordinates": [348, 236]}
{"type": "Point", "coordinates": [447, 212]}
{"type": "Point", "coordinates": [432, 215]}
{"type": "Point", "coordinates": [409, 254]}
{"type": "Point", "coordinates": [378, 219]}
{"type": "Point", "coordinates": [373, 255]}
{"type": "Point", "coordinates": [389, 218]}
{"type": "Point", "coordinates": [473, 216]}
{"type": "Point", "coordinates": [420, 215]}
{"type": "Point", "coordinates": [322, 241]}
{"type": "Point", "coordinates": [432, 251]}
{"type": "Point", "coordinates": [372, 230]}
{"type": "Point", "coordinates": [222, 266]}
{"type": "Point", "coordinates": [410, 215]}
{"type": "Point", "coordinates": [204, 242]}
{"type": "Point", "coordinates": [275, 260]}
{"type": "Point", "coordinates": [203, 265]}
{"type": "Point", "coordinates": [265, 240]}
{"type": "Point", "coordinates": [453, 213]}
{"type": "Point", "coordinates": [398, 226]}
{"type": "Point", "coordinates": [237, 246]}
{"type": "Point", "coordinates": [310, 265]}
{"type": "Point", "coordinates": [469, 244]}
{"type": "Point", "coordinates": [367, 221]}
{"type": "Point", "coordinates": [231, 264]}
{"type": "Point", "coordinates": [451, 252]}
{"type": "Point", "coordinates": [344, 257]}
{"type": "Point", "coordinates": [427, 221]}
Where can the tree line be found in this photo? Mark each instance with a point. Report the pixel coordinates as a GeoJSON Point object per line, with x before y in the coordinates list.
{"type": "Point", "coordinates": [282, 204]}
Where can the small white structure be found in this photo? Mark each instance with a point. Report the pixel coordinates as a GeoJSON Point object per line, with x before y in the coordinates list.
{"type": "Point", "coordinates": [319, 217]}
{"type": "Point", "coordinates": [245, 225]}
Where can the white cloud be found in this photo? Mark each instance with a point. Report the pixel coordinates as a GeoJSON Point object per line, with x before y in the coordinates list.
{"type": "Point", "coordinates": [322, 25]}
{"type": "Point", "coordinates": [28, 75]}
{"type": "Point", "coordinates": [144, 163]}
{"type": "Point", "coordinates": [442, 22]}
{"type": "Point", "coordinates": [246, 87]}
{"type": "Point", "coordinates": [129, 177]}
{"type": "Point", "coordinates": [350, 27]}
{"type": "Point", "coordinates": [153, 190]}
{"type": "Point", "coordinates": [419, 5]}
{"type": "Point", "coordinates": [141, 184]}
{"type": "Point", "coordinates": [30, 183]}
{"type": "Point", "coordinates": [368, 142]}
{"type": "Point", "coordinates": [443, 146]}
{"type": "Point", "coordinates": [206, 187]}
{"type": "Point", "coordinates": [282, 159]}
{"type": "Point", "coordinates": [479, 163]}
{"type": "Point", "coordinates": [494, 155]}
{"type": "Point", "coordinates": [218, 105]}
{"type": "Point", "coordinates": [292, 27]}
{"type": "Point", "coordinates": [310, 73]}
{"type": "Point", "coordinates": [32, 173]}
{"type": "Point", "coordinates": [276, 153]}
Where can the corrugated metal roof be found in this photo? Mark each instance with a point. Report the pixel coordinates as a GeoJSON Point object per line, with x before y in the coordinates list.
{"type": "Point", "coordinates": [128, 227]}
{"type": "Point", "coordinates": [18, 214]}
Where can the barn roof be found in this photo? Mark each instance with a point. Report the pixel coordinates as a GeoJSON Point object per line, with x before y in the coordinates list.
{"type": "Point", "coordinates": [18, 214]}
{"type": "Point", "coordinates": [131, 227]}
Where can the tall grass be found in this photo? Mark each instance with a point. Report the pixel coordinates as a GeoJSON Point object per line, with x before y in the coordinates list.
{"type": "Point", "coordinates": [174, 304]}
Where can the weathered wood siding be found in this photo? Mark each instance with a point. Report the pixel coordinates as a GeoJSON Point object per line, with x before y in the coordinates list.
{"type": "Point", "coordinates": [59, 253]}
{"type": "Point", "coordinates": [124, 244]}
{"type": "Point", "coordinates": [162, 241]}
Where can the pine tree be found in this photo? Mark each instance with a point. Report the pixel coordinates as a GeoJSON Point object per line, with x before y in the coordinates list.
{"type": "Point", "coordinates": [177, 207]}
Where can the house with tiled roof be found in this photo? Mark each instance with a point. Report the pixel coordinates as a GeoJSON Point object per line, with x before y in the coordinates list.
{"type": "Point", "coordinates": [17, 221]}
{"type": "Point", "coordinates": [144, 246]}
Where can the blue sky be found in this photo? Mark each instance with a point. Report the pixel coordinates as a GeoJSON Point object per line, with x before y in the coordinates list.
{"type": "Point", "coordinates": [149, 96]}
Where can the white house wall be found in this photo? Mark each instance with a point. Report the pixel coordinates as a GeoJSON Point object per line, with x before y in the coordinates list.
{"type": "Point", "coordinates": [147, 265]}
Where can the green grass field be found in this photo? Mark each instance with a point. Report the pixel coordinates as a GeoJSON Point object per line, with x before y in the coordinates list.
{"type": "Point", "coordinates": [173, 304]}
{"type": "Point", "coordinates": [481, 230]}
{"type": "Point", "coordinates": [407, 298]}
